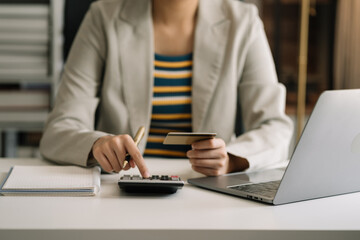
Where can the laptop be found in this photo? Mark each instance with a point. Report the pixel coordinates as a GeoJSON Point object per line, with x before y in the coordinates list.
{"type": "Point", "coordinates": [325, 162]}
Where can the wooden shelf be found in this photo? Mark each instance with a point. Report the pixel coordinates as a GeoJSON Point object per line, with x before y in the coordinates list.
{"type": "Point", "coordinates": [282, 26]}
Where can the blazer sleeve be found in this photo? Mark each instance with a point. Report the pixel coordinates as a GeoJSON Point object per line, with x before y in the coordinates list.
{"type": "Point", "coordinates": [69, 131]}
{"type": "Point", "coordinates": [268, 130]}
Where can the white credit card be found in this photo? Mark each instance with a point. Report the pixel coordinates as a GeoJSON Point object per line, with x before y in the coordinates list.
{"type": "Point", "coordinates": [186, 138]}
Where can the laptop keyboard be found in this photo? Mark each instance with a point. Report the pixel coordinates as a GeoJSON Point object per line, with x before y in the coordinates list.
{"type": "Point", "coordinates": [267, 189]}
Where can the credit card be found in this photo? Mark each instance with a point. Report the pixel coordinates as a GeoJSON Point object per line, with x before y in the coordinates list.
{"type": "Point", "coordinates": [186, 138]}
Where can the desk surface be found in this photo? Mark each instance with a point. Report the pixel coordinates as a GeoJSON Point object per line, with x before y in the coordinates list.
{"type": "Point", "coordinates": [188, 213]}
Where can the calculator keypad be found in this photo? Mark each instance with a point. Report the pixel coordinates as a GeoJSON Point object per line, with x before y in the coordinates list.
{"type": "Point", "coordinates": [153, 184]}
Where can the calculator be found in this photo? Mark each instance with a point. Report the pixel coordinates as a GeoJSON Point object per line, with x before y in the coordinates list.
{"type": "Point", "coordinates": [153, 184]}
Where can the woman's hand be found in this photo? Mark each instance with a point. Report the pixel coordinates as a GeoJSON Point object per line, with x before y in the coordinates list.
{"type": "Point", "coordinates": [210, 157]}
{"type": "Point", "coordinates": [110, 152]}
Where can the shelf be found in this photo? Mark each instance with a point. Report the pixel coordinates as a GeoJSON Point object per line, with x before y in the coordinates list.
{"type": "Point", "coordinates": [282, 26]}
{"type": "Point", "coordinates": [12, 80]}
{"type": "Point", "coordinates": [30, 60]}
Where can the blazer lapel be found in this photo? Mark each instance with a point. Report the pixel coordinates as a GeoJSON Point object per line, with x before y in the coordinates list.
{"type": "Point", "coordinates": [210, 44]}
{"type": "Point", "coordinates": [135, 39]}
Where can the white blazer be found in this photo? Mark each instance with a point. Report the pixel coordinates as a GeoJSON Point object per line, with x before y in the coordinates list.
{"type": "Point", "coordinates": [107, 82]}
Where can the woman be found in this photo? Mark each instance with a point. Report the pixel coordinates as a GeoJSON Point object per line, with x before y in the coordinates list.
{"type": "Point", "coordinates": [125, 54]}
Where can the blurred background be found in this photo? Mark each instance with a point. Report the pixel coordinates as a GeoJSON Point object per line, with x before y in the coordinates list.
{"type": "Point", "coordinates": [36, 35]}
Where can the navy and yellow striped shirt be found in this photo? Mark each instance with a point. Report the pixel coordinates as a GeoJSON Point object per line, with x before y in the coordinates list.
{"type": "Point", "coordinates": [171, 104]}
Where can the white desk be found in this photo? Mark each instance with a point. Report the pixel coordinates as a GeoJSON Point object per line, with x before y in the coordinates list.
{"type": "Point", "coordinates": [191, 213]}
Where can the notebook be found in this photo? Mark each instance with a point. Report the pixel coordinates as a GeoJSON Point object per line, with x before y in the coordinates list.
{"type": "Point", "coordinates": [325, 162]}
{"type": "Point", "coordinates": [51, 180]}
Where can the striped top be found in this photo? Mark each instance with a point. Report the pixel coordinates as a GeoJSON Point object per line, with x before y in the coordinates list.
{"type": "Point", "coordinates": [171, 104]}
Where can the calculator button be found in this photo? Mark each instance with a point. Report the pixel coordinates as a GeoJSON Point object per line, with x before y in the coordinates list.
{"type": "Point", "coordinates": [164, 177]}
{"type": "Point", "coordinates": [136, 177]}
{"type": "Point", "coordinates": [155, 177]}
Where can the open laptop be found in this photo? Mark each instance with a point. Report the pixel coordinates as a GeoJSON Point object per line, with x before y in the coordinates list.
{"type": "Point", "coordinates": [325, 162]}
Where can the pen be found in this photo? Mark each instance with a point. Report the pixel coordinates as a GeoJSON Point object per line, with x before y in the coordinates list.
{"type": "Point", "coordinates": [138, 136]}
